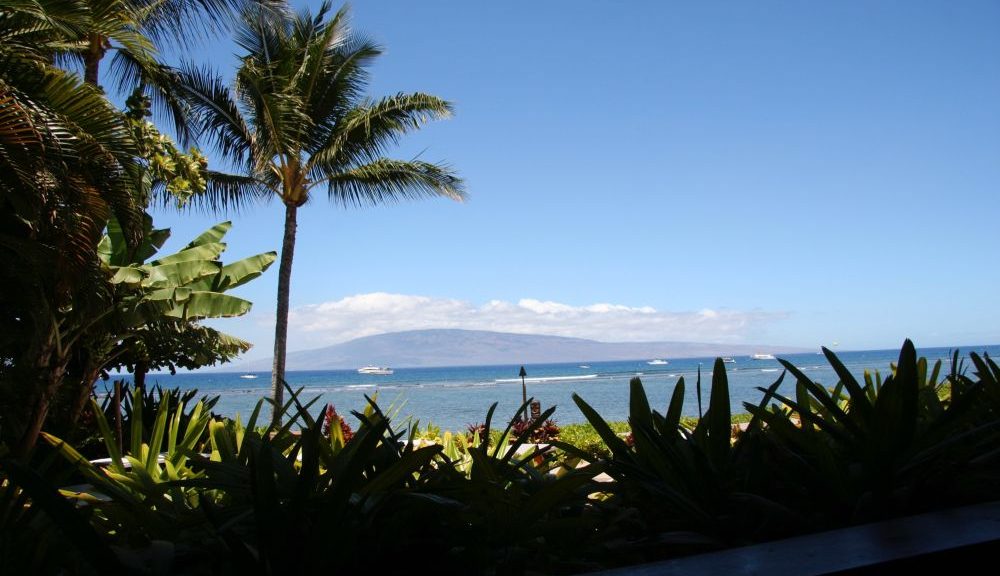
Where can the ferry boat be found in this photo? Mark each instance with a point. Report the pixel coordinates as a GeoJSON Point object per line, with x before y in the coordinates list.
{"type": "Point", "coordinates": [763, 356]}
{"type": "Point", "coordinates": [657, 362]}
{"type": "Point", "coordinates": [248, 376]}
{"type": "Point", "coordinates": [376, 370]}
{"type": "Point", "coordinates": [728, 360]}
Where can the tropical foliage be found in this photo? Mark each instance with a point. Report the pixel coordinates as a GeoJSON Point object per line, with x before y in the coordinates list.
{"type": "Point", "coordinates": [181, 490]}
{"type": "Point", "coordinates": [191, 493]}
{"type": "Point", "coordinates": [67, 164]}
{"type": "Point", "coordinates": [73, 167]}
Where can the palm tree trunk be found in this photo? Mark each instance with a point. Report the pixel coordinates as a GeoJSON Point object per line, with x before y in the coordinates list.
{"type": "Point", "coordinates": [281, 322]}
{"type": "Point", "coordinates": [96, 48]}
{"type": "Point", "coordinates": [139, 376]}
{"type": "Point", "coordinates": [51, 368]}
{"type": "Point", "coordinates": [85, 391]}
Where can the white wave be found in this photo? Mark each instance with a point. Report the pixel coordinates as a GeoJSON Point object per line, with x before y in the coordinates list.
{"type": "Point", "coordinates": [469, 384]}
{"type": "Point", "coordinates": [549, 378]}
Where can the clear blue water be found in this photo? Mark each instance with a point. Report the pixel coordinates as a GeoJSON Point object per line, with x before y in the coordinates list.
{"type": "Point", "coordinates": [455, 397]}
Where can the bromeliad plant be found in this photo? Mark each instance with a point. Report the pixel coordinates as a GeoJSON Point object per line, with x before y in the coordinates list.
{"type": "Point", "coordinates": [151, 400]}
{"type": "Point", "coordinates": [138, 493]}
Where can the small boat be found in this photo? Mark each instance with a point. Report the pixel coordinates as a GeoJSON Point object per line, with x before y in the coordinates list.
{"type": "Point", "coordinates": [375, 370]}
{"type": "Point", "coordinates": [584, 365]}
{"type": "Point", "coordinates": [763, 356]}
{"type": "Point", "coordinates": [728, 360]}
{"type": "Point", "coordinates": [657, 362]}
{"type": "Point", "coordinates": [248, 376]}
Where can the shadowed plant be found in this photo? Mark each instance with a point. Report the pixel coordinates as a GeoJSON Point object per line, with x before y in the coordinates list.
{"type": "Point", "coordinates": [685, 489]}
{"type": "Point", "coordinates": [885, 447]}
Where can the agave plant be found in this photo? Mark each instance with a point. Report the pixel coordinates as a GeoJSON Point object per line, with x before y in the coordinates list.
{"type": "Point", "coordinates": [520, 506]}
{"type": "Point", "coordinates": [293, 501]}
{"type": "Point", "coordinates": [687, 489]}
{"type": "Point", "coordinates": [887, 447]}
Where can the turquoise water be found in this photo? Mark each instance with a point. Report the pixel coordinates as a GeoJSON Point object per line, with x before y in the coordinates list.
{"type": "Point", "coordinates": [455, 397]}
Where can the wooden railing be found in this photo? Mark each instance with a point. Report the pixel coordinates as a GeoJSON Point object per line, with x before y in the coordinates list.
{"type": "Point", "coordinates": [960, 540]}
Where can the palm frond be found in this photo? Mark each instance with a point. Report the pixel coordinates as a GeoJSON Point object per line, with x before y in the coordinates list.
{"type": "Point", "coordinates": [386, 181]}
{"type": "Point", "coordinates": [225, 193]}
{"type": "Point", "coordinates": [118, 21]}
{"type": "Point", "coordinates": [76, 131]}
{"type": "Point", "coordinates": [32, 30]}
{"type": "Point", "coordinates": [334, 74]}
{"type": "Point", "coordinates": [160, 83]}
{"type": "Point", "coordinates": [185, 22]}
{"type": "Point", "coordinates": [367, 131]}
{"type": "Point", "coordinates": [279, 117]}
{"type": "Point", "coordinates": [339, 85]}
{"type": "Point", "coordinates": [262, 30]}
{"type": "Point", "coordinates": [215, 114]}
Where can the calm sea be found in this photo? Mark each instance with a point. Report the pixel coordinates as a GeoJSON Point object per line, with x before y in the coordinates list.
{"type": "Point", "coordinates": [455, 397]}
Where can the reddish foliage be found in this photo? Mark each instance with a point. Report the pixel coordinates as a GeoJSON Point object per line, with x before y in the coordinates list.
{"type": "Point", "coordinates": [480, 429]}
{"type": "Point", "coordinates": [330, 416]}
{"type": "Point", "coordinates": [547, 431]}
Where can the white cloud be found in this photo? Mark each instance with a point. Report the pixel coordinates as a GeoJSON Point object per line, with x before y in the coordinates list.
{"type": "Point", "coordinates": [379, 312]}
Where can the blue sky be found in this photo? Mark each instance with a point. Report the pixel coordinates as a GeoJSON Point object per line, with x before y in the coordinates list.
{"type": "Point", "coordinates": [796, 173]}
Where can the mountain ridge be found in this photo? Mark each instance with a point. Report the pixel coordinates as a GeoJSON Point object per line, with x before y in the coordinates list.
{"type": "Point", "coordinates": [458, 347]}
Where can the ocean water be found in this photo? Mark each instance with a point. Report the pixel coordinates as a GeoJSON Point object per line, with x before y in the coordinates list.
{"type": "Point", "coordinates": [454, 397]}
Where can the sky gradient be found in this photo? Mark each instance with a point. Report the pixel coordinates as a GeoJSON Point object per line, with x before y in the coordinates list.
{"type": "Point", "coordinates": [795, 173]}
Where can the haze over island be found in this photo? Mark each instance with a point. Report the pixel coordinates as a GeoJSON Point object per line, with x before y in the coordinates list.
{"type": "Point", "coordinates": [452, 347]}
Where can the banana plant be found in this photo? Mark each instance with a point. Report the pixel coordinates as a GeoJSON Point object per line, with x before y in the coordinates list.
{"type": "Point", "coordinates": [160, 300]}
{"type": "Point", "coordinates": [186, 285]}
{"type": "Point", "coordinates": [152, 320]}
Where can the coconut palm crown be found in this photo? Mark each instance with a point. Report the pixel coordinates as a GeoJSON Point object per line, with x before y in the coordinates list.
{"type": "Point", "coordinates": [298, 119]}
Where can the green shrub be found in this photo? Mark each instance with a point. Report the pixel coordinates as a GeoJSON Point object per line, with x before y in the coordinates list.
{"type": "Point", "coordinates": [585, 437]}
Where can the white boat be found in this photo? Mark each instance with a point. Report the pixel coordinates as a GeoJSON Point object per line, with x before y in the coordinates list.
{"type": "Point", "coordinates": [376, 370]}
{"type": "Point", "coordinates": [763, 356]}
{"type": "Point", "coordinates": [657, 362]}
{"type": "Point", "coordinates": [728, 360]}
{"type": "Point", "coordinates": [248, 376]}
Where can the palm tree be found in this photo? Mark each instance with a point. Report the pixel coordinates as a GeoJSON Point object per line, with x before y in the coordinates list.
{"type": "Point", "coordinates": [297, 119]}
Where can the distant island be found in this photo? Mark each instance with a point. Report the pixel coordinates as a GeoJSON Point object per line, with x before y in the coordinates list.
{"type": "Point", "coordinates": [451, 347]}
